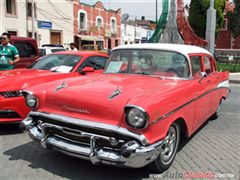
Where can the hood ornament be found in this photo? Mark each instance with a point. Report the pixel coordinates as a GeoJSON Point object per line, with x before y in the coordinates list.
{"type": "Point", "coordinates": [115, 93]}
{"type": "Point", "coordinates": [63, 85]}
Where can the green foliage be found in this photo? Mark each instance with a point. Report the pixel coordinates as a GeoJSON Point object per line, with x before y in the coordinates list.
{"type": "Point", "coordinates": [198, 15]}
{"type": "Point", "coordinates": [228, 67]}
{"type": "Point", "coordinates": [234, 19]}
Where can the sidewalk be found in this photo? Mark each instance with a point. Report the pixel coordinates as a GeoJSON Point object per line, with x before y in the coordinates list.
{"type": "Point", "coordinates": [234, 78]}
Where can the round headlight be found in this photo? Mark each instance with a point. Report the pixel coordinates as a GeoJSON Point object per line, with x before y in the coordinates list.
{"type": "Point", "coordinates": [136, 118]}
{"type": "Point", "coordinates": [31, 101]}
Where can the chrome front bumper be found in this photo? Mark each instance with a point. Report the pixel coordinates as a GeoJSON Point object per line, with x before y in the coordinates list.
{"type": "Point", "coordinates": [131, 154]}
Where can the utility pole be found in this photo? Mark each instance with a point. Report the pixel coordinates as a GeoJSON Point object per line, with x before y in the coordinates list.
{"type": "Point", "coordinates": [211, 27]}
{"type": "Point", "coordinates": [1, 14]}
{"type": "Point", "coordinates": [33, 19]}
{"type": "Point", "coordinates": [156, 11]}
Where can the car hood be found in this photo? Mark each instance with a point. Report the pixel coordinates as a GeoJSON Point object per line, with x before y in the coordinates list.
{"type": "Point", "coordinates": [19, 79]}
{"type": "Point", "coordinates": [100, 98]}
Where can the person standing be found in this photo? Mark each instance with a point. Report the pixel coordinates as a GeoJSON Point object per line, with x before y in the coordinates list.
{"type": "Point", "coordinates": [8, 53]}
{"type": "Point", "coordinates": [73, 47]}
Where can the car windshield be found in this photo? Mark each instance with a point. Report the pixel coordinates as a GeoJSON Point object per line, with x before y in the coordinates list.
{"type": "Point", "coordinates": [57, 62]}
{"type": "Point", "coordinates": [148, 62]}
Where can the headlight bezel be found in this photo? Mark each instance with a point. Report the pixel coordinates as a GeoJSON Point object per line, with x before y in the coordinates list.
{"type": "Point", "coordinates": [130, 108]}
{"type": "Point", "coordinates": [30, 96]}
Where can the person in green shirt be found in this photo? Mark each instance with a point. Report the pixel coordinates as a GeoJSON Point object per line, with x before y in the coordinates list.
{"type": "Point", "coordinates": [8, 53]}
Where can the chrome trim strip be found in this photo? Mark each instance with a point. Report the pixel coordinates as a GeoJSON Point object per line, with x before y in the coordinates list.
{"type": "Point", "coordinates": [185, 104]}
{"type": "Point", "coordinates": [93, 125]}
{"type": "Point", "coordinates": [134, 106]}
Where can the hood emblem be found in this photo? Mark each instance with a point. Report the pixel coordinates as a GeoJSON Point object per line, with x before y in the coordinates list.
{"type": "Point", "coordinates": [78, 110]}
{"type": "Point", "coordinates": [115, 93]}
{"type": "Point", "coordinates": [63, 85]}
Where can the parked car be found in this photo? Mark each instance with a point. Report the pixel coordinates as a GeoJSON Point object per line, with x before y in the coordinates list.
{"type": "Point", "coordinates": [48, 68]}
{"type": "Point", "coordinates": [48, 50]}
{"type": "Point", "coordinates": [28, 50]}
{"type": "Point", "coordinates": [135, 113]}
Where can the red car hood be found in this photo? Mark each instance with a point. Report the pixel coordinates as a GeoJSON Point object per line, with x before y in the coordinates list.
{"type": "Point", "coordinates": [18, 79]}
{"type": "Point", "coordinates": [92, 98]}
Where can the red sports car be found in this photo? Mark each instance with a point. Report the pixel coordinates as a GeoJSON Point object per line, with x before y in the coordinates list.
{"type": "Point", "coordinates": [52, 67]}
{"type": "Point", "coordinates": [134, 114]}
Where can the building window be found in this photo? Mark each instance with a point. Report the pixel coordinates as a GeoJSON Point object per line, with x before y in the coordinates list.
{"type": "Point", "coordinates": [99, 22]}
{"type": "Point", "coordinates": [116, 42]}
{"type": "Point", "coordinates": [113, 25]}
{"type": "Point", "coordinates": [29, 9]}
{"type": "Point", "coordinates": [11, 7]}
{"type": "Point", "coordinates": [82, 20]}
{"type": "Point", "coordinates": [30, 35]}
{"type": "Point", "coordinates": [12, 33]}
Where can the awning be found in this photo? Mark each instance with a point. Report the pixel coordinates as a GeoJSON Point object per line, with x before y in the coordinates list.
{"type": "Point", "coordinates": [87, 38]}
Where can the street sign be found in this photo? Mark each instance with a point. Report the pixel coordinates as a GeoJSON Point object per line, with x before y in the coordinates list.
{"type": "Point", "coordinates": [44, 24]}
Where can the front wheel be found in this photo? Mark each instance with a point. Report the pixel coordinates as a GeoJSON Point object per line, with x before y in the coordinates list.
{"type": "Point", "coordinates": [168, 150]}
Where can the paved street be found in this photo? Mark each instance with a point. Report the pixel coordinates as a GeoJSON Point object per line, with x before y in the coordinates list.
{"type": "Point", "coordinates": [213, 149]}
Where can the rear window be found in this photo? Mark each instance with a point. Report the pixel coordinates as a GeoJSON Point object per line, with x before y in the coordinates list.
{"type": "Point", "coordinates": [26, 50]}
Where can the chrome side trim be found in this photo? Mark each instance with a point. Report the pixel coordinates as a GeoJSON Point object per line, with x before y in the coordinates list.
{"type": "Point", "coordinates": [93, 125]}
{"type": "Point", "coordinates": [185, 104]}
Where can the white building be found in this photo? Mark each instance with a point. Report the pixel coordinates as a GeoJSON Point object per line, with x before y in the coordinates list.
{"type": "Point", "coordinates": [53, 19]}
{"type": "Point", "coordinates": [132, 34]}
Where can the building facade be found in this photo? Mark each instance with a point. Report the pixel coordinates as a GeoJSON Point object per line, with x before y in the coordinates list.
{"type": "Point", "coordinates": [53, 20]}
{"type": "Point", "coordinates": [94, 24]}
{"type": "Point", "coordinates": [133, 34]}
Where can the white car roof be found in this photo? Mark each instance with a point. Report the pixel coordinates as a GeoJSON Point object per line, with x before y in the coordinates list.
{"type": "Point", "coordinates": [180, 48]}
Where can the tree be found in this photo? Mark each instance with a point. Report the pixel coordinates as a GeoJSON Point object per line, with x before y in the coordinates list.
{"type": "Point", "coordinates": [234, 19]}
{"type": "Point", "coordinates": [198, 15]}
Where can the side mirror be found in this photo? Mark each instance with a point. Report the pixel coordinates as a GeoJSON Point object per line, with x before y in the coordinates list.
{"type": "Point", "coordinates": [202, 75]}
{"type": "Point", "coordinates": [86, 69]}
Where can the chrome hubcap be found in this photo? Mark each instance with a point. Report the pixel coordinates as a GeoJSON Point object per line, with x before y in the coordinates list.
{"type": "Point", "coordinates": [169, 145]}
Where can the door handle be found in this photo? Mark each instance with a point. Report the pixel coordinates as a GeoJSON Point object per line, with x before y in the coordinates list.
{"type": "Point", "coordinates": [208, 81]}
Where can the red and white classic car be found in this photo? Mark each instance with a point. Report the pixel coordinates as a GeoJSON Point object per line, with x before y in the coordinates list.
{"type": "Point", "coordinates": [133, 114]}
{"type": "Point", "coordinates": [52, 67]}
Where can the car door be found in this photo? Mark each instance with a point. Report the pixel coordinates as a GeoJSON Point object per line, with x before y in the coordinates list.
{"type": "Point", "coordinates": [211, 82]}
{"type": "Point", "coordinates": [201, 101]}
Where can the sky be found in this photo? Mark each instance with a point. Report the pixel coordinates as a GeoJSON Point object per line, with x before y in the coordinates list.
{"type": "Point", "coordinates": [135, 8]}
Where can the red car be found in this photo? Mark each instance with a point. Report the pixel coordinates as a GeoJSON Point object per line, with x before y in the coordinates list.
{"type": "Point", "coordinates": [28, 50]}
{"type": "Point", "coordinates": [48, 68]}
{"type": "Point", "coordinates": [134, 114]}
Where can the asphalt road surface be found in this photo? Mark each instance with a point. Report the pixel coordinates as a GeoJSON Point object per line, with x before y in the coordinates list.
{"type": "Point", "coordinates": [214, 150]}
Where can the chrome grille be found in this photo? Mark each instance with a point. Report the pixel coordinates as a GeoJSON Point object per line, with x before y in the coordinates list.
{"type": "Point", "coordinates": [10, 94]}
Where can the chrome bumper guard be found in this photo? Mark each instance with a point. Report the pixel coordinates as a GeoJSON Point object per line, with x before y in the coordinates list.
{"type": "Point", "coordinates": [132, 153]}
